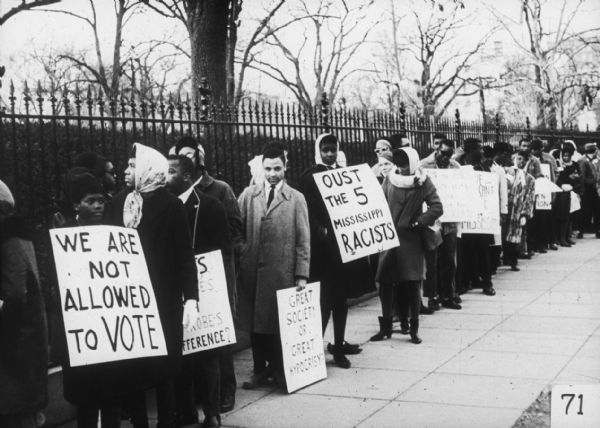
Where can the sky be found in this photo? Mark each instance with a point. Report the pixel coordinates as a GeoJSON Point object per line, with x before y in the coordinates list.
{"type": "Point", "coordinates": [49, 32]}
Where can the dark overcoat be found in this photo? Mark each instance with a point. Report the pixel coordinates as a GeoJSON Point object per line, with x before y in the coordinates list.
{"type": "Point", "coordinates": [275, 251]}
{"type": "Point", "coordinates": [167, 244]}
{"type": "Point", "coordinates": [325, 259]}
{"type": "Point", "coordinates": [23, 330]}
{"type": "Point", "coordinates": [407, 262]}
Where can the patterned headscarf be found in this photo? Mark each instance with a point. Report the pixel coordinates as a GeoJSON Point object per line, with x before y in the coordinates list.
{"type": "Point", "coordinates": [150, 174]}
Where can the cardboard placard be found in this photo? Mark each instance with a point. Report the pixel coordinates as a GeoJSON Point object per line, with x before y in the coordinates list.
{"type": "Point", "coordinates": [575, 202]}
{"type": "Point", "coordinates": [545, 170]}
{"type": "Point", "coordinates": [214, 326]}
{"type": "Point", "coordinates": [487, 220]}
{"type": "Point", "coordinates": [301, 336]}
{"type": "Point", "coordinates": [108, 303]}
{"type": "Point", "coordinates": [544, 188]}
{"type": "Point", "coordinates": [456, 188]}
{"type": "Point", "coordinates": [359, 213]}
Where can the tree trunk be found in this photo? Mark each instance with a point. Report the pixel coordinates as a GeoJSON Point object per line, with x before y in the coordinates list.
{"type": "Point", "coordinates": [231, 42]}
{"type": "Point", "coordinates": [207, 27]}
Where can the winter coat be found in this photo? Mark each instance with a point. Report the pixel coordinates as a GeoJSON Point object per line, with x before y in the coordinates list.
{"type": "Point", "coordinates": [167, 245]}
{"type": "Point", "coordinates": [356, 277]}
{"type": "Point", "coordinates": [562, 203]}
{"type": "Point", "coordinates": [275, 251]}
{"type": "Point", "coordinates": [23, 329]}
{"type": "Point", "coordinates": [521, 202]}
{"type": "Point", "coordinates": [407, 262]}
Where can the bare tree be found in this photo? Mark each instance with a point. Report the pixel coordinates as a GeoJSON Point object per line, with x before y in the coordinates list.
{"type": "Point", "coordinates": [332, 36]}
{"type": "Point", "coordinates": [551, 55]}
{"type": "Point", "coordinates": [23, 7]}
{"type": "Point", "coordinates": [99, 71]}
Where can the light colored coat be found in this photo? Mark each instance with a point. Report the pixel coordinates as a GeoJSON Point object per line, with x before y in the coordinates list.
{"type": "Point", "coordinates": [275, 251]}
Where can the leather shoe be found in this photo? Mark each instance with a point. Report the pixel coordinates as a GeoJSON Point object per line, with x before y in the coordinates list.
{"type": "Point", "coordinates": [433, 304]}
{"type": "Point", "coordinates": [542, 251]}
{"type": "Point", "coordinates": [580, 235]}
{"type": "Point", "coordinates": [450, 304]}
{"type": "Point", "coordinates": [425, 310]}
{"type": "Point", "coordinates": [341, 361]}
{"type": "Point", "coordinates": [346, 349]}
{"type": "Point", "coordinates": [211, 422]}
{"type": "Point", "coordinates": [514, 268]}
{"type": "Point", "coordinates": [553, 247]}
{"type": "Point", "coordinates": [457, 299]}
{"type": "Point", "coordinates": [489, 291]}
{"type": "Point", "coordinates": [256, 380]}
{"type": "Point", "coordinates": [227, 403]}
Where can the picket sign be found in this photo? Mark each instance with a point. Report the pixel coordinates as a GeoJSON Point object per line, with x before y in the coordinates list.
{"type": "Point", "coordinates": [487, 220]}
{"type": "Point", "coordinates": [544, 188]}
{"type": "Point", "coordinates": [359, 213]}
{"type": "Point", "coordinates": [107, 300]}
{"type": "Point", "coordinates": [214, 326]}
{"type": "Point", "coordinates": [545, 167]}
{"type": "Point", "coordinates": [301, 336]}
{"type": "Point", "coordinates": [456, 188]}
{"type": "Point", "coordinates": [575, 202]}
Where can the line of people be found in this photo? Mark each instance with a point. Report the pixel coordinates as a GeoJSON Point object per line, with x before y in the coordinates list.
{"type": "Point", "coordinates": [272, 237]}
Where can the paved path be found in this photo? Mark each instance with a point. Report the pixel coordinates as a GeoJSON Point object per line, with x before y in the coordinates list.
{"type": "Point", "coordinates": [478, 367]}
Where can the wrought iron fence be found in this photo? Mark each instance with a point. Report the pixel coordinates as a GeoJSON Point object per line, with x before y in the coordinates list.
{"type": "Point", "coordinates": [39, 137]}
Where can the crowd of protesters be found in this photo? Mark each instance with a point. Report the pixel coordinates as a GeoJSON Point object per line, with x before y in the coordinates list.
{"type": "Point", "coordinates": [272, 237]}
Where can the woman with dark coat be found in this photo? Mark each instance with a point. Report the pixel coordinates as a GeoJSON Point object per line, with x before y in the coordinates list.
{"type": "Point", "coordinates": [161, 222]}
{"type": "Point", "coordinates": [406, 188]}
{"type": "Point", "coordinates": [23, 332]}
{"type": "Point", "coordinates": [339, 281]}
{"type": "Point", "coordinates": [570, 180]}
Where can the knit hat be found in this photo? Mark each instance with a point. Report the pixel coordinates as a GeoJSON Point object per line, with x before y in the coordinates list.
{"type": "Point", "coordinates": [7, 201]}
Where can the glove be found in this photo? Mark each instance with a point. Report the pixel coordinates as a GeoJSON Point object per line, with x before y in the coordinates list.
{"type": "Point", "coordinates": [1, 304]}
{"type": "Point", "coordinates": [523, 221]}
{"type": "Point", "coordinates": [300, 284]}
{"type": "Point", "coordinates": [190, 314]}
{"type": "Point", "coordinates": [566, 187]}
{"type": "Point", "coordinates": [414, 225]}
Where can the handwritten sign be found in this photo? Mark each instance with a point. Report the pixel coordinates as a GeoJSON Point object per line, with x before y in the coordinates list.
{"type": "Point", "coordinates": [107, 299]}
{"type": "Point", "coordinates": [301, 336]}
{"type": "Point", "coordinates": [456, 188]}
{"type": "Point", "coordinates": [214, 326]}
{"type": "Point", "coordinates": [545, 168]}
{"type": "Point", "coordinates": [358, 210]}
{"type": "Point", "coordinates": [543, 193]}
{"type": "Point", "coordinates": [487, 220]}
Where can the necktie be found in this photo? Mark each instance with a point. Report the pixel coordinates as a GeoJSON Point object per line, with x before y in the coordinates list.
{"type": "Point", "coordinates": [271, 195]}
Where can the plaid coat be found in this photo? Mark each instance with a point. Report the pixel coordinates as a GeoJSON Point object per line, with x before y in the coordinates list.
{"type": "Point", "coordinates": [521, 202]}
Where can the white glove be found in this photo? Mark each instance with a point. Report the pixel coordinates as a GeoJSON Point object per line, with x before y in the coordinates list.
{"type": "Point", "coordinates": [1, 304]}
{"type": "Point", "coordinates": [300, 284]}
{"type": "Point", "coordinates": [190, 314]}
{"type": "Point", "coordinates": [523, 221]}
{"type": "Point", "coordinates": [567, 187]}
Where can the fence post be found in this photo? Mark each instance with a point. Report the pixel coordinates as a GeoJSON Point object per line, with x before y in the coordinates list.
{"type": "Point", "coordinates": [497, 127]}
{"type": "Point", "coordinates": [457, 129]}
{"type": "Point", "coordinates": [325, 112]}
{"type": "Point", "coordinates": [528, 127]}
{"type": "Point", "coordinates": [402, 118]}
{"type": "Point", "coordinates": [205, 119]}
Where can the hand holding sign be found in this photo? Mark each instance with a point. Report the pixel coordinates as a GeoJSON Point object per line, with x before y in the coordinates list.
{"type": "Point", "coordinates": [190, 314]}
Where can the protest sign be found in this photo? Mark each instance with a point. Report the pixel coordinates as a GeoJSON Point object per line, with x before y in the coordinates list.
{"type": "Point", "coordinates": [487, 220]}
{"type": "Point", "coordinates": [544, 188]}
{"type": "Point", "coordinates": [546, 170]}
{"type": "Point", "coordinates": [359, 213]}
{"type": "Point", "coordinates": [456, 188]}
{"type": "Point", "coordinates": [107, 299]}
{"type": "Point", "coordinates": [214, 326]}
{"type": "Point", "coordinates": [301, 336]}
{"type": "Point", "coordinates": [575, 202]}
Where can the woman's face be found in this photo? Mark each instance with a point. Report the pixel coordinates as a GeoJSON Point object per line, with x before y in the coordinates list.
{"type": "Point", "coordinates": [130, 174]}
{"type": "Point", "coordinates": [385, 166]}
{"type": "Point", "coordinates": [566, 157]}
{"type": "Point", "coordinates": [329, 153]}
{"type": "Point", "coordinates": [90, 209]}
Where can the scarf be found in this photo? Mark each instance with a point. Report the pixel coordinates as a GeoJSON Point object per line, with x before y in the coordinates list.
{"type": "Point", "coordinates": [417, 175]}
{"type": "Point", "coordinates": [150, 174]}
{"type": "Point", "coordinates": [318, 159]}
{"type": "Point", "coordinates": [7, 201]}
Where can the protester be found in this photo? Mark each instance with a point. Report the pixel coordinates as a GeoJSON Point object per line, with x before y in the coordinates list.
{"type": "Point", "coordinates": [382, 146]}
{"type": "Point", "coordinates": [384, 165]}
{"type": "Point", "coordinates": [23, 330]}
{"type": "Point", "coordinates": [207, 221]}
{"type": "Point", "coordinates": [276, 255]}
{"type": "Point", "coordinates": [406, 189]}
{"type": "Point", "coordinates": [338, 280]}
{"type": "Point", "coordinates": [475, 257]}
{"type": "Point", "coordinates": [161, 222]}
{"type": "Point", "coordinates": [221, 191]}
{"type": "Point", "coordinates": [569, 180]}
{"type": "Point", "coordinates": [589, 217]}
{"type": "Point", "coordinates": [441, 262]}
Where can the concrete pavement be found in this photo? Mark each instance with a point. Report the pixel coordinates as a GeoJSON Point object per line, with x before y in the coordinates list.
{"type": "Point", "coordinates": [477, 367]}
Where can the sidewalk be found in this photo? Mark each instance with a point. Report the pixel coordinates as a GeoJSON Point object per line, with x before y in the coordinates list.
{"type": "Point", "coordinates": [478, 367]}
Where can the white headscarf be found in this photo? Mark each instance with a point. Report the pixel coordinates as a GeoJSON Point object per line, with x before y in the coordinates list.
{"type": "Point", "coordinates": [417, 175]}
{"type": "Point", "coordinates": [7, 201]}
{"type": "Point", "coordinates": [256, 170]}
{"type": "Point", "coordinates": [318, 159]}
{"type": "Point", "coordinates": [150, 174]}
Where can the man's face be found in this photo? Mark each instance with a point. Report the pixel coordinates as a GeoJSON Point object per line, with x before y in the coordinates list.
{"type": "Point", "coordinates": [520, 161]}
{"type": "Point", "coordinates": [130, 174]}
{"type": "Point", "coordinates": [274, 170]}
{"type": "Point", "coordinates": [437, 142]}
{"type": "Point", "coordinates": [175, 178]}
{"type": "Point", "coordinates": [329, 153]}
{"type": "Point", "coordinates": [91, 208]}
{"type": "Point", "coordinates": [190, 153]}
{"type": "Point", "coordinates": [443, 155]}
{"type": "Point", "coordinates": [524, 145]}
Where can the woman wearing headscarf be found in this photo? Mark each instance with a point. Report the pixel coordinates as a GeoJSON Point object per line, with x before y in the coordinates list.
{"type": "Point", "coordinates": [339, 281]}
{"type": "Point", "coordinates": [569, 180]}
{"type": "Point", "coordinates": [406, 188]}
{"type": "Point", "coordinates": [160, 219]}
{"type": "Point", "coordinates": [23, 332]}
{"type": "Point", "coordinates": [521, 202]}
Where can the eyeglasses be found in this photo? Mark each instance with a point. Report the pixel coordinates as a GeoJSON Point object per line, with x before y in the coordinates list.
{"type": "Point", "coordinates": [381, 150]}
